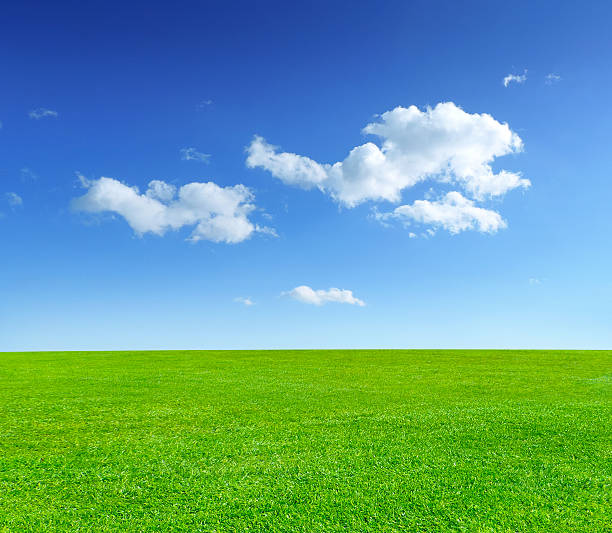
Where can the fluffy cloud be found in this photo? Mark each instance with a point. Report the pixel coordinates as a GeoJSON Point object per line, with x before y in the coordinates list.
{"type": "Point", "coordinates": [453, 212]}
{"type": "Point", "coordinates": [219, 214]}
{"type": "Point", "coordinates": [191, 154]}
{"type": "Point", "coordinates": [41, 112]}
{"type": "Point", "coordinates": [291, 169]}
{"type": "Point", "coordinates": [443, 143]}
{"type": "Point", "coordinates": [13, 199]}
{"type": "Point", "coordinates": [305, 294]}
{"type": "Point", "coordinates": [515, 78]}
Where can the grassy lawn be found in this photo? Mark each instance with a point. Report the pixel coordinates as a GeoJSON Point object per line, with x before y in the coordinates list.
{"type": "Point", "coordinates": [306, 441]}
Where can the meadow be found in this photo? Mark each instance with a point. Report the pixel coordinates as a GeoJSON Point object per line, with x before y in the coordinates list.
{"type": "Point", "coordinates": [372, 440]}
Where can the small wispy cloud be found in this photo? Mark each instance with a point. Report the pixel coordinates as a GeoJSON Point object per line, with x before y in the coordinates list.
{"type": "Point", "coordinates": [204, 104]}
{"type": "Point", "coordinates": [266, 230]}
{"type": "Point", "coordinates": [535, 281]}
{"type": "Point", "coordinates": [13, 199]}
{"type": "Point", "coordinates": [191, 154]}
{"type": "Point", "coordinates": [41, 112]}
{"type": "Point", "coordinates": [515, 78]}
{"type": "Point", "coordinates": [307, 295]}
{"type": "Point", "coordinates": [27, 174]}
{"type": "Point", "coordinates": [245, 301]}
{"type": "Point", "coordinates": [83, 180]}
{"type": "Point", "coordinates": [552, 78]}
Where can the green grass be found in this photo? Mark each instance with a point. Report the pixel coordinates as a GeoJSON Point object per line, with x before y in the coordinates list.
{"type": "Point", "coordinates": [306, 441]}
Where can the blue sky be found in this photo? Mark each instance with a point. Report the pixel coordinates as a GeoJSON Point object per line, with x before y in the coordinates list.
{"type": "Point", "coordinates": [258, 100]}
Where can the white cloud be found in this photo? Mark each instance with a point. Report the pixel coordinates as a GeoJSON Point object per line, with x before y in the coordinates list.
{"type": "Point", "coordinates": [13, 199]}
{"type": "Point", "coordinates": [552, 78]}
{"type": "Point", "coordinates": [246, 301]}
{"type": "Point", "coordinates": [160, 190]}
{"type": "Point", "coordinates": [219, 214]}
{"type": "Point", "coordinates": [41, 112]}
{"type": "Point", "coordinates": [535, 281]}
{"type": "Point", "coordinates": [291, 169]}
{"type": "Point", "coordinates": [305, 294]}
{"type": "Point", "coordinates": [191, 154]}
{"type": "Point", "coordinates": [453, 212]}
{"type": "Point", "coordinates": [515, 78]}
{"type": "Point", "coordinates": [204, 103]}
{"type": "Point", "coordinates": [443, 143]}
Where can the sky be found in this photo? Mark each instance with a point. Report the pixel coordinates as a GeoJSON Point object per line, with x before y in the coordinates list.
{"type": "Point", "coordinates": [235, 175]}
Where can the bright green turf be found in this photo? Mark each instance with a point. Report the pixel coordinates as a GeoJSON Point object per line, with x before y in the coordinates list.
{"type": "Point", "coordinates": [306, 441]}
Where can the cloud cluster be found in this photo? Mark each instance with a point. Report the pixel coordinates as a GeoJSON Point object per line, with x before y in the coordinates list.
{"type": "Point", "coordinates": [515, 78]}
{"type": "Point", "coordinates": [305, 294]}
{"type": "Point", "coordinates": [219, 214]}
{"type": "Point", "coordinates": [444, 144]}
{"type": "Point", "coordinates": [41, 112]}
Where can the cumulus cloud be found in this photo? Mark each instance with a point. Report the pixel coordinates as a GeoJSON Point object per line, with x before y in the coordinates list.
{"type": "Point", "coordinates": [453, 212]}
{"type": "Point", "coordinates": [552, 78]}
{"type": "Point", "coordinates": [515, 78]}
{"type": "Point", "coordinates": [13, 199]}
{"type": "Point", "coordinates": [245, 301]}
{"type": "Point", "coordinates": [191, 154]}
{"type": "Point", "coordinates": [443, 143]}
{"type": "Point", "coordinates": [41, 112]}
{"type": "Point", "coordinates": [219, 214]}
{"type": "Point", "coordinates": [305, 294]}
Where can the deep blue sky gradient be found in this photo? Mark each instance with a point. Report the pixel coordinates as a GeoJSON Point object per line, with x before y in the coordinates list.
{"type": "Point", "coordinates": [128, 82]}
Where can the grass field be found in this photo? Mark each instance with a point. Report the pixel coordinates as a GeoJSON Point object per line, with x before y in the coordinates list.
{"type": "Point", "coordinates": [306, 441]}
